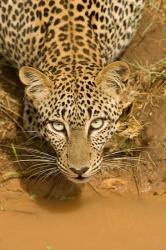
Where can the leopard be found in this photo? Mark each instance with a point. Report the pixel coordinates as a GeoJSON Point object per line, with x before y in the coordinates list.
{"type": "Point", "coordinates": [67, 55]}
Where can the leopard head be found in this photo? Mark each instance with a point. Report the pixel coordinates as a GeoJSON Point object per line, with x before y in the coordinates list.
{"type": "Point", "coordinates": [76, 111]}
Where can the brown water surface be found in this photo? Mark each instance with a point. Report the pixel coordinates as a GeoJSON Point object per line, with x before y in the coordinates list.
{"type": "Point", "coordinates": [87, 223]}
{"type": "Point", "coordinates": [92, 222]}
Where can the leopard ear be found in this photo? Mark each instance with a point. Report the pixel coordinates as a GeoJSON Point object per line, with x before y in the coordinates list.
{"type": "Point", "coordinates": [37, 84]}
{"type": "Point", "coordinates": [114, 75]}
{"type": "Point", "coordinates": [113, 81]}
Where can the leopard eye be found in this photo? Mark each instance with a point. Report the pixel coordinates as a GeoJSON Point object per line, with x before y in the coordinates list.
{"type": "Point", "coordinates": [58, 126]}
{"type": "Point", "coordinates": [97, 124]}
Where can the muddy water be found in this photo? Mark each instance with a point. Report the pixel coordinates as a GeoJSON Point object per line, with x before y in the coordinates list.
{"type": "Point", "coordinates": [88, 223]}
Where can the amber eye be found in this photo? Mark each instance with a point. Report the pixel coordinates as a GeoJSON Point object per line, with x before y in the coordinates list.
{"type": "Point", "coordinates": [97, 124]}
{"type": "Point", "coordinates": [58, 126]}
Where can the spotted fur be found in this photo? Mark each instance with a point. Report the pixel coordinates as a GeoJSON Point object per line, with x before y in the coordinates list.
{"type": "Point", "coordinates": [61, 48]}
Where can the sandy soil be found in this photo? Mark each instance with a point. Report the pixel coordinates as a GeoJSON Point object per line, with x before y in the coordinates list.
{"type": "Point", "coordinates": [36, 214]}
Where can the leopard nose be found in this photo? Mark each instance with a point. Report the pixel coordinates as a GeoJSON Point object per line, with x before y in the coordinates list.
{"type": "Point", "coordinates": [80, 171]}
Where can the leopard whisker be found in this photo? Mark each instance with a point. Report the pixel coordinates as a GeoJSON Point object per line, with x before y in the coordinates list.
{"type": "Point", "coordinates": [32, 150]}
{"type": "Point", "coordinates": [51, 173]}
{"type": "Point", "coordinates": [37, 166]}
{"type": "Point", "coordinates": [123, 151]}
{"type": "Point", "coordinates": [39, 173]}
{"type": "Point", "coordinates": [38, 157]}
{"type": "Point", "coordinates": [111, 167]}
{"type": "Point", "coordinates": [32, 160]}
{"type": "Point", "coordinates": [121, 168]}
{"type": "Point", "coordinates": [118, 163]}
{"type": "Point", "coordinates": [126, 158]}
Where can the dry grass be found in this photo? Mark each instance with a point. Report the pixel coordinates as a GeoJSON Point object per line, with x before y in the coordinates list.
{"type": "Point", "coordinates": [9, 113]}
{"type": "Point", "coordinates": [147, 171]}
{"type": "Point", "coordinates": [157, 8]}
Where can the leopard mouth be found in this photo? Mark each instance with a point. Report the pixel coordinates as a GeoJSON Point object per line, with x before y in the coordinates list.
{"type": "Point", "coordinates": [79, 179]}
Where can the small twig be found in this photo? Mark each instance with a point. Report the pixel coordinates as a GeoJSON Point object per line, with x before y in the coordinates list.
{"type": "Point", "coordinates": [13, 119]}
{"type": "Point", "coordinates": [136, 180]}
{"type": "Point", "coordinates": [146, 30]}
{"type": "Point", "coordinates": [7, 80]}
{"type": "Point", "coordinates": [95, 190]}
{"type": "Point", "coordinates": [17, 211]}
